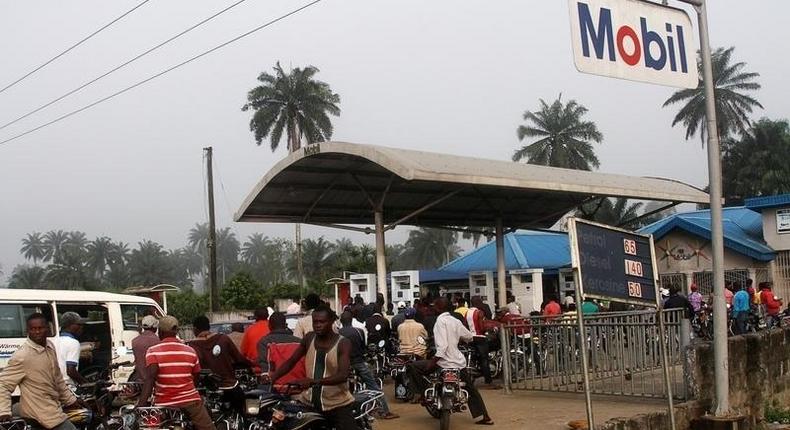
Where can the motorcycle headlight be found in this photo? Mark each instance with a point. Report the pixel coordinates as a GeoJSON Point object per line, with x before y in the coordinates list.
{"type": "Point", "coordinates": [253, 406]}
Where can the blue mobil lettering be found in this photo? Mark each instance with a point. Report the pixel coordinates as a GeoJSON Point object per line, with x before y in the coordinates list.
{"type": "Point", "coordinates": [604, 37]}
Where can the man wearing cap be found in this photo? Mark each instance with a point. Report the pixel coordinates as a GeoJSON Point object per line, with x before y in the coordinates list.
{"type": "Point", "coordinates": [141, 343]}
{"type": "Point", "coordinates": [399, 318]}
{"type": "Point", "coordinates": [173, 366]}
{"type": "Point", "coordinates": [34, 369]}
{"type": "Point", "coordinates": [67, 347]}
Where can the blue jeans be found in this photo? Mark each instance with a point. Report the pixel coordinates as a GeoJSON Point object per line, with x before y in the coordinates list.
{"type": "Point", "coordinates": [371, 383]}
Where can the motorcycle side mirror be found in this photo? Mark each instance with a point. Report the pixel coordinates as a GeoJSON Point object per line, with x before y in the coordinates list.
{"type": "Point", "coordinates": [421, 340]}
{"type": "Point", "coordinates": [382, 343]}
{"type": "Point", "coordinates": [378, 327]}
{"type": "Point", "coordinates": [216, 351]}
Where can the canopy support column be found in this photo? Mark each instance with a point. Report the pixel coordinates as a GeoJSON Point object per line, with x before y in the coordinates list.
{"type": "Point", "coordinates": [381, 262]}
{"type": "Point", "coordinates": [500, 262]}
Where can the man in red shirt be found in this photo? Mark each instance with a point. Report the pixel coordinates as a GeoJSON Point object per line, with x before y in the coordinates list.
{"type": "Point", "coordinates": [173, 367]}
{"type": "Point", "coordinates": [254, 333]}
{"type": "Point", "coordinates": [552, 309]}
{"type": "Point", "coordinates": [277, 347]}
{"type": "Point", "coordinates": [772, 305]}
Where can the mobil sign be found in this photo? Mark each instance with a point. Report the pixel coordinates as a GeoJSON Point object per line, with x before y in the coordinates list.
{"type": "Point", "coordinates": [635, 40]}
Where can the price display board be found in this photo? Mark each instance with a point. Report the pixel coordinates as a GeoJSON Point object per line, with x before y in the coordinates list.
{"type": "Point", "coordinates": [613, 264]}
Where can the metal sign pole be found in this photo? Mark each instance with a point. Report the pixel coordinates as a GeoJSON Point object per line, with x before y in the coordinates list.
{"type": "Point", "coordinates": [663, 338]}
{"type": "Point", "coordinates": [580, 319]}
{"type": "Point", "coordinates": [720, 353]}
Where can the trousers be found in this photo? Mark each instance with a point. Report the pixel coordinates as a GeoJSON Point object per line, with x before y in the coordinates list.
{"type": "Point", "coordinates": [198, 414]}
{"type": "Point", "coordinates": [371, 383]}
{"type": "Point", "coordinates": [416, 372]}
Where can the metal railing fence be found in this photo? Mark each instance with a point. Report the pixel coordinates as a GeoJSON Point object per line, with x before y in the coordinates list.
{"type": "Point", "coordinates": [623, 352]}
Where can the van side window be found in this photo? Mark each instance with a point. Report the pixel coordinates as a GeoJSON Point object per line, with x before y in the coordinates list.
{"type": "Point", "coordinates": [13, 317]}
{"type": "Point", "coordinates": [133, 314]}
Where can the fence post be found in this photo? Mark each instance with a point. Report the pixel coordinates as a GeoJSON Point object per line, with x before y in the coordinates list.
{"type": "Point", "coordinates": [685, 341]}
{"type": "Point", "coordinates": [504, 341]}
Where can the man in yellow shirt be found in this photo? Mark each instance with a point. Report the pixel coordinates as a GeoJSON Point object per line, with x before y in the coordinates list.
{"type": "Point", "coordinates": [408, 333]}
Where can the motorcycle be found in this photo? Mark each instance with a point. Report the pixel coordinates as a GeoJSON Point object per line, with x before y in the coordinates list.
{"type": "Point", "coordinates": [98, 397]}
{"type": "Point", "coordinates": [293, 415]}
{"type": "Point", "coordinates": [378, 360]}
{"type": "Point", "coordinates": [445, 396]}
{"type": "Point", "coordinates": [153, 418]}
{"type": "Point", "coordinates": [398, 365]}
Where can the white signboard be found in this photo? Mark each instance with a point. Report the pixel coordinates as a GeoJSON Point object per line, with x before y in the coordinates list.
{"type": "Point", "coordinates": [635, 40]}
{"type": "Point", "coordinates": [783, 221]}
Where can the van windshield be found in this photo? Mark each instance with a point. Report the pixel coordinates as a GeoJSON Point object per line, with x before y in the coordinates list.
{"type": "Point", "coordinates": [133, 315]}
{"type": "Point", "coordinates": [14, 315]}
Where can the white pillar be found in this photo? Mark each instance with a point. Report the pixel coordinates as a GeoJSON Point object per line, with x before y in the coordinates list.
{"type": "Point", "coordinates": [381, 259]}
{"type": "Point", "coordinates": [500, 262]}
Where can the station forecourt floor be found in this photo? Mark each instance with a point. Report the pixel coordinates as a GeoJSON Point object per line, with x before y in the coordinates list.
{"type": "Point", "coordinates": [522, 410]}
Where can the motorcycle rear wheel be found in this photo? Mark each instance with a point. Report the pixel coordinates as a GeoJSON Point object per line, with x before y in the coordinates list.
{"type": "Point", "coordinates": [444, 419]}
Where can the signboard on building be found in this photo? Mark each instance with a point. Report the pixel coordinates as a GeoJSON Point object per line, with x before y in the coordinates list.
{"type": "Point", "coordinates": [783, 221]}
{"type": "Point", "coordinates": [613, 264]}
{"type": "Point", "coordinates": [635, 40]}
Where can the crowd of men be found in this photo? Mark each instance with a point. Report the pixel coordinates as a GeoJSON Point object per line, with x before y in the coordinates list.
{"type": "Point", "coordinates": [314, 359]}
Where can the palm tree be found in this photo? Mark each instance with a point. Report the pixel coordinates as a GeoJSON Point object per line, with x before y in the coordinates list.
{"type": "Point", "coordinates": [564, 139]}
{"type": "Point", "coordinates": [317, 253]}
{"type": "Point", "coordinates": [149, 264]}
{"type": "Point", "coordinates": [53, 244]}
{"type": "Point", "coordinates": [76, 241]}
{"type": "Point", "coordinates": [759, 163]}
{"type": "Point", "coordinates": [254, 250]}
{"type": "Point", "coordinates": [68, 271]}
{"type": "Point", "coordinates": [227, 245]}
{"type": "Point", "coordinates": [294, 103]}
{"type": "Point", "coordinates": [299, 105]}
{"type": "Point", "coordinates": [33, 247]}
{"type": "Point", "coordinates": [732, 106]}
{"type": "Point", "coordinates": [99, 253]}
{"type": "Point", "coordinates": [429, 248]}
{"type": "Point", "coordinates": [28, 277]}
{"type": "Point", "coordinates": [615, 212]}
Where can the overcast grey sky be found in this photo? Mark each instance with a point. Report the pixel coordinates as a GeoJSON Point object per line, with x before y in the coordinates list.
{"type": "Point", "coordinates": [444, 76]}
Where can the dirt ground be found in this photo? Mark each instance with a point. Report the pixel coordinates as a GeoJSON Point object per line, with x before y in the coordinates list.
{"type": "Point", "coordinates": [523, 410]}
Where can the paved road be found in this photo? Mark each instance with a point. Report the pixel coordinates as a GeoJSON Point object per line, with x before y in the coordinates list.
{"type": "Point", "coordinates": [523, 410]}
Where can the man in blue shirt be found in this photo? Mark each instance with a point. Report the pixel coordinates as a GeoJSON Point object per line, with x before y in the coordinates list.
{"type": "Point", "coordinates": [740, 308]}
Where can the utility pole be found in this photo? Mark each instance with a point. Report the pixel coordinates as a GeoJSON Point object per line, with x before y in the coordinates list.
{"type": "Point", "coordinates": [211, 244]}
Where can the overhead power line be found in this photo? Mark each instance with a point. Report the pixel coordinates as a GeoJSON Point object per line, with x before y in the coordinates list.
{"type": "Point", "coordinates": [122, 65]}
{"type": "Point", "coordinates": [25, 76]}
{"type": "Point", "coordinates": [163, 72]}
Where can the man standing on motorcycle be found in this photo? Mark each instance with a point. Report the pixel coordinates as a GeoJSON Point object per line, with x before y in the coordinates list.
{"type": "Point", "coordinates": [173, 367]}
{"type": "Point", "coordinates": [448, 332]}
{"type": "Point", "coordinates": [357, 339]}
{"type": "Point", "coordinates": [34, 369]}
{"type": "Point", "coordinates": [327, 358]}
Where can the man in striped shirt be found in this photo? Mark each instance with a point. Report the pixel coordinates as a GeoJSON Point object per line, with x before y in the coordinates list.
{"type": "Point", "coordinates": [172, 368]}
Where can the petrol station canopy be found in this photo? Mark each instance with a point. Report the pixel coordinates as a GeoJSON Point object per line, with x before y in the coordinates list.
{"type": "Point", "coordinates": [339, 183]}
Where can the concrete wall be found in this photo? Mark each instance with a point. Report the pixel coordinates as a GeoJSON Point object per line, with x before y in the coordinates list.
{"type": "Point", "coordinates": [759, 369]}
{"type": "Point", "coordinates": [759, 372]}
{"type": "Point", "coordinates": [777, 241]}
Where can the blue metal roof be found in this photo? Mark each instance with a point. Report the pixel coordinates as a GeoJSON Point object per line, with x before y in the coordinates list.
{"type": "Point", "coordinates": [523, 250]}
{"type": "Point", "coordinates": [743, 230]}
{"type": "Point", "coordinates": [760, 203]}
{"type": "Point", "coordinates": [441, 275]}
